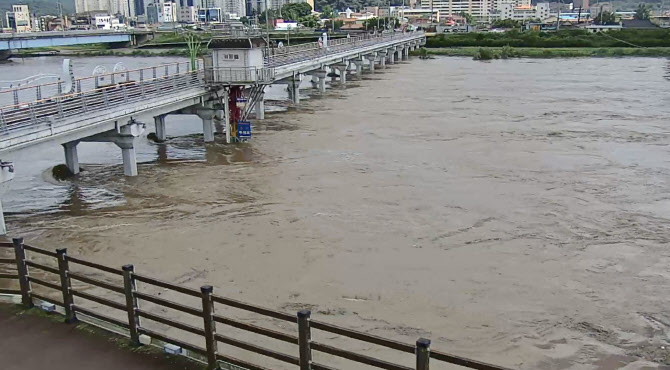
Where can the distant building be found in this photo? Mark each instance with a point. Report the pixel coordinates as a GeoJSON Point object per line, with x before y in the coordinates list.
{"type": "Point", "coordinates": [238, 8]}
{"type": "Point", "coordinates": [522, 13]}
{"type": "Point", "coordinates": [637, 23]}
{"type": "Point", "coordinates": [83, 6]}
{"type": "Point", "coordinates": [105, 22]}
{"type": "Point", "coordinates": [210, 15]}
{"type": "Point", "coordinates": [161, 11]}
{"type": "Point", "coordinates": [19, 18]}
{"type": "Point", "coordinates": [477, 8]}
{"type": "Point", "coordinates": [127, 8]}
{"type": "Point", "coordinates": [377, 11]}
{"type": "Point", "coordinates": [584, 4]}
{"type": "Point", "coordinates": [140, 8]}
{"type": "Point", "coordinates": [598, 8]}
{"type": "Point", "coordinates": [124, 7]}
{"type": "Point", "coordinates": [498, 4]}
{"type": "Point", "coordinates": [52, 23]}
{"type": "Point", "coordinates": [187, 14]}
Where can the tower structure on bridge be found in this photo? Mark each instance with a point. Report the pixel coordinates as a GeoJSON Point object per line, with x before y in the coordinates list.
{"type": "Point", "coordinates": [237, 65]}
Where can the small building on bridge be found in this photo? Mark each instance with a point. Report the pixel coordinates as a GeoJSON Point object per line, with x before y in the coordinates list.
{"type": "Point", "coordinates": [235, 59]}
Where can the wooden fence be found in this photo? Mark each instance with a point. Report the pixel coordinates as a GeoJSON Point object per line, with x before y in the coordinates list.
{"type": "Point", "coordinates": [63, 277]}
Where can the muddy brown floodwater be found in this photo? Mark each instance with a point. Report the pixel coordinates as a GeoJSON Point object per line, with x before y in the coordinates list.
{"type": "Point", "coordinates": [516, 212]}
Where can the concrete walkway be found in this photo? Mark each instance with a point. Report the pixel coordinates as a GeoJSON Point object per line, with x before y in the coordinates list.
{"type": "Point", "coordinates": [32, 342]}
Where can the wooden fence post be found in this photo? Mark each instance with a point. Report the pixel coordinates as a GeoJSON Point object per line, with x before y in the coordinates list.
{"type": "Point", "coordinates": [304, 338]}
{"type": "Point", "coordinates": [210, 326]}
{"type": "Point", "coordinates": [68, 300]}
{"type": "Point", "coordinates": [22, 270]}
{"type": "Point", "coordinates": [422, 354]}
{"type": "Point", "coordinates": [129, 288]}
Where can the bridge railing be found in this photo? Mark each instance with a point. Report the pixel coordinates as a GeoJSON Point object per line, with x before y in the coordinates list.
{"type": "Point", "coordinates": [124, 300]}
{"type": "Point", "coordinates": [50, 111]}
{"type": "Point", "coordinates": [32, 93]}
{"type": "Point", "coordinates": [292, 54]}
{"type": "Point", "coordinates": [238, 75]}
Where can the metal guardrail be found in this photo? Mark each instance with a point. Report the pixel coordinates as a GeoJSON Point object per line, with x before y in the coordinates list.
{"type": "Point", "coordinates": [48, 112]}
{"type": "Point", "coordinates": [250, 75]}
{"type": "Point", "coordinates": [275, 57]}
{"type": "Point", "coordinates": [74, 300]}
{"type": "Point", "coordinates": [31, 93]}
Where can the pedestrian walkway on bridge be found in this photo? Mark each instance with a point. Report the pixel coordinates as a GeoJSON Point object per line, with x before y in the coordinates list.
{"type": "Point", "coordinates": [34, 342]}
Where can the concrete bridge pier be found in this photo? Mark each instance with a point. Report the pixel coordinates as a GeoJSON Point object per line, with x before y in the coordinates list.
{"type": "Point", "coordinates": [206, 113]}
{"type": "Point", "coordinates": [219, 119]}
{"type": "Point", "coordinates": [391, 56]}
{"type": "Point", "coordinates": [71, 157]}
{"type": "Point", "coordinates": [208, 127]}
{"type": "Point", "coordinates": [371, 58]}
{"type": "Point", "coordinates": [124, 137]}
{"type": "Point", "coordinates": [260, 107]}
{"type": "Point", "coordinates": [322, 75]}
{"type": "Point", "coordinates": [159, 122]}
{"type": "Point", "coordinates": [342, 68]}
{"type": "Point", "coordinates": [382, 59]}
{"type": "Point", "coordinates": [358, 63]}
{"type": "Point", "coordinates": [294, 89]}
{"type": "Point", "coordinates": [405, 52]}
{"type": "Point", "coordinates": [331, 69]}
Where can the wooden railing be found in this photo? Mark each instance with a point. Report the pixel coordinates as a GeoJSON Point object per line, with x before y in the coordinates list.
{"type": "Point", "coordinates": [29, 274]}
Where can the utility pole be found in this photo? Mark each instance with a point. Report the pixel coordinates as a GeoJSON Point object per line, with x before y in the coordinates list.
{"type": "Point", "coordinates": [267, 20]}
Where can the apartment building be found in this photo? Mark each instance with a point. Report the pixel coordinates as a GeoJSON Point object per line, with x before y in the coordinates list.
{"type": "Point", "coordinates": [479, 9]}
{"type": "Point", "coordinates": [19, 18]}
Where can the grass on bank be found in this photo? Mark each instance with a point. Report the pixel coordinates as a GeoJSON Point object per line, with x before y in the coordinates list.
{"type": "Point", "coordinates": [484, 53]}
{"type": "Point", "coordinates": [651, 38]}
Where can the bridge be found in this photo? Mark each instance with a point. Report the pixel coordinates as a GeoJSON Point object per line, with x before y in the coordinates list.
{"type": "Point", "coordinates": [225, 88]}
{"type": "Point", "coordinates": [15, 41]}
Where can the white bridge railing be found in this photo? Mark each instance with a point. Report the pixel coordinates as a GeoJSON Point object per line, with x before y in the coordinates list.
{"type": "Point", "coordinates": [276, 57]}
{"type": "Point", "coordinates": [50, 111]}
{"type": "Point", "coordinates": [32, 93]}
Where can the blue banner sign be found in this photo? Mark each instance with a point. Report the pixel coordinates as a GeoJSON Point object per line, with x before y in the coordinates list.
{"type": "Point", "coordinates": [244, 129]}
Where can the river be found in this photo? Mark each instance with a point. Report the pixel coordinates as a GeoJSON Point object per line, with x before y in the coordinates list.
{"type": "Point", "coordinates": [513, 211]}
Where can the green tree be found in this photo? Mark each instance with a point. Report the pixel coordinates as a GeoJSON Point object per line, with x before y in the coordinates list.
{"type": "Point", "coordinates": [380, 23]}
{"type": "Point", "coordinates": [338, 24]}
{"type": "Point", "coordinates": [327, 12]}
{"type": "Point", "coordinates": [262, 18]}
{"type": "Point", "coordinates": [605, 18]}
{"type": "Point", "coordinates": [468, 17]}
{"type": "Point", "coordinates": [244, 20]}
{"type": "Point", "coordinates": [194, 43]}
{"type": "Point", "coordinates": [506, 23]}
{"type": "Point", "coordinates": [310, 21]}
{"type": "Point", "coordinates": [642, 12]}
{"type": "Point", "coordinates": [295, 11]}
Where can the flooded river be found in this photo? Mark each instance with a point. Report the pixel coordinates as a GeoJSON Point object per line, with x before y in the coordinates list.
{"type": "Point", "coordinates": [515, 211]}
